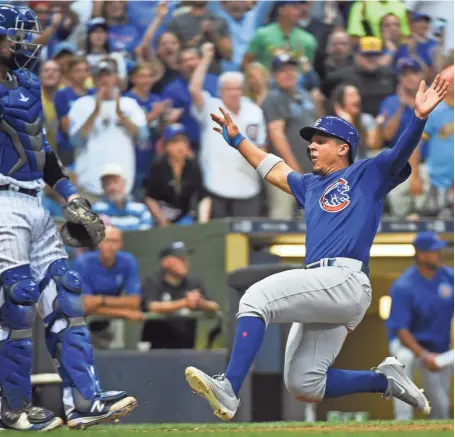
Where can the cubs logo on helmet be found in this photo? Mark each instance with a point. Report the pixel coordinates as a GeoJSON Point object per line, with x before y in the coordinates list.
{"type": "Point", "coordinates": [336, 196]}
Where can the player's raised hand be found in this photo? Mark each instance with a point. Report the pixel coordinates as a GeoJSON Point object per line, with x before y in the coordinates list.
{"type": "Point", "coordinates": [427, 100]}
{"type": "Point", "coordinates": [227, 128]}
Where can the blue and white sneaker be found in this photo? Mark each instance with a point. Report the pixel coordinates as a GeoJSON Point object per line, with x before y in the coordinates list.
{"type": "Point", "coordinates": [107, 406]}
{"type": "Point", "coordinates": [29, 419]}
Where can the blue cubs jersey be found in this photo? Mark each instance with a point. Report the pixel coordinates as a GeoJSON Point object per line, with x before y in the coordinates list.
{"type": "Point", "coordinates": [424, 307]}
{"type": "Point", "coordinates": [343, 209]}
{"type": "Point", "coordinates": [122, 277]}
{"type": "Point", "coordinates": [23, 142]}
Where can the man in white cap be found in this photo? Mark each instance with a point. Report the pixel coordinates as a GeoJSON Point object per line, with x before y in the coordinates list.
{"type": "Point", "coordinates": [123, 213]}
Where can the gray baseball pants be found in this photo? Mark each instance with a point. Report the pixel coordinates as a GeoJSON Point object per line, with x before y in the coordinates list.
{"type": "Point", "coordinates": [323, 304]}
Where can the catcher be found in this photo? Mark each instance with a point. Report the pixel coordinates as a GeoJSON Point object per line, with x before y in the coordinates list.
{"type": "Point", "coordinates": [33, 263]}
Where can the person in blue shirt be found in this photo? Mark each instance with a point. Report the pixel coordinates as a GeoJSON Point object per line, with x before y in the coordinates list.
{"type": "Point", "coordinates": [123, 213]}
{"type": "Point", "coordinates": [78, 73]}
{"type": "Point", "coordinates": [243, 21]}
{"type": "Point", "coordinates": [419, 325]}
{"type": "Point", "coordinates": [111, 284]}
{"type": "Point", "coordinates": [397, 110]}
{"type": "Point", "coordinates": [178, 93]}
{"type": "Point", "coordinates": [142, 78]}
{"type": "Point", "coordinates": [343, 202]}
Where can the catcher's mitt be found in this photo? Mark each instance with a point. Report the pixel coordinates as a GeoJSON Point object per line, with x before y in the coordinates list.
{"type": "Point", "coordinates": [83, 227]}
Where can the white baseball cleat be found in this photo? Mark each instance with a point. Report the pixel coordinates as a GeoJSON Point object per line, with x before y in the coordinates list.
{"type": "Point", "coordinates": [400, 385]}
{"type": "Point", "coordinates": [217, 391]}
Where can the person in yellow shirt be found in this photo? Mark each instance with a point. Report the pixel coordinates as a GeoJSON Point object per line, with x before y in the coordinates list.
{"type": "Point", "coordinates": [50, 75]}
{"type": "Point", "coordinates": [365, 17]}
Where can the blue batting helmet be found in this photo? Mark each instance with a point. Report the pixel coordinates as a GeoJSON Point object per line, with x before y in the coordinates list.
{"type": "Point", "coordinates": [331, 126]}
{"type": "Point", "coordinates": [21, 27]}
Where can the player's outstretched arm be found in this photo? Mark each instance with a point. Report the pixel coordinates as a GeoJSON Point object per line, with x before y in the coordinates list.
{"type": "Point", "coordinates": [395, 159]}
{"type": "Point", "coordinates": [272, 168]}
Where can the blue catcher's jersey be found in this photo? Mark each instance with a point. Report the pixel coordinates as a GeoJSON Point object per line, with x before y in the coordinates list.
{"type": "Point", "coordinates": [23, 142]}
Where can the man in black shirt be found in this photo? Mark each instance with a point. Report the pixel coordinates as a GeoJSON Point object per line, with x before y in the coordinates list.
{"type": "Point", "coordinates": [171, 291]}
{"type": "Point", "coordinates": [374, 81]}
{"type": "Point", "coordinates": [175, 182]}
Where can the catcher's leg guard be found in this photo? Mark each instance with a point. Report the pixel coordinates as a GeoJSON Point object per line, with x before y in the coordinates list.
{"type": "Point", "coordinates": [21, 294]}
{"type": "Point", "coordinates": [67, 336]}
{"type": "Point", "coordinates": [68, 340]}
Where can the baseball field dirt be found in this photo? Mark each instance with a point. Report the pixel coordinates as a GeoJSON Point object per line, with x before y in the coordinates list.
{"type": "Point", "coordinates": [272, 429]}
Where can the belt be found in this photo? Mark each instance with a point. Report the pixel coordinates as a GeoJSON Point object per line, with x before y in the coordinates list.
{"type": "Point", "coordinates": [341, 262]}
{"type": "Point", "coordinates": [33, 193]}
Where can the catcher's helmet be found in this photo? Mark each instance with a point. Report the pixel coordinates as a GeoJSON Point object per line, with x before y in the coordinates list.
{"type": "Point", "coordinates": [332, 126]}
{"type": "Point", "coordinates": [21, 27]}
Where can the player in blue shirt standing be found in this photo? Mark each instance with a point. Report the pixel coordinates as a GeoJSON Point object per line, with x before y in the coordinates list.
{"type": "Point", "coordinates": [343, 202]}
{"type": "Point", "coordinates": [420, 322]}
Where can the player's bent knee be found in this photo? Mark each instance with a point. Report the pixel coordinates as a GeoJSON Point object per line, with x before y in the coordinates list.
{"type": "Point", "coordinates": [251, 304]}
{"type": "Point", "coordinates": [306, 388]}
{"type": "Point", "coordinates": [21, 294]}
{"type": "Point", "coordinates": [68, 302]}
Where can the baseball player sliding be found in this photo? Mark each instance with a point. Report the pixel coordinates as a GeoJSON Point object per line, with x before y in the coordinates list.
{"type": "Point", "coordinates": [33, 267]}
{"type": "Point", "coordinates": [342, 199]}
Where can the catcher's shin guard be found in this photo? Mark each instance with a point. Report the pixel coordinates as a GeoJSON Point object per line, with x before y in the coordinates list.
{"type": "Point", "coordinates": [67, 336]}
{"type": "Point", "coordinates": [16, 319]}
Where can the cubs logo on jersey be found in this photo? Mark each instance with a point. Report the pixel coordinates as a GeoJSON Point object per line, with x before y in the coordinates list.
{"type": "Point", "coordinates": [335, 197]}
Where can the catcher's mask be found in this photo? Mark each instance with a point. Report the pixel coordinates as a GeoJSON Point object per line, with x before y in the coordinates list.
{"type": "Point", "coordinates": [21, 27]}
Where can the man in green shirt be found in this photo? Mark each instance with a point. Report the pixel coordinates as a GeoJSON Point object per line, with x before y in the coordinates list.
{"type": "Point", "coordinates": [368, 14]}
{"type": "Point", "coordinates": [283, 36]}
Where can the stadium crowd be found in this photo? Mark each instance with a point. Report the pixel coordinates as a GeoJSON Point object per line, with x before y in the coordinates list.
{"type": "Point", "coordinates": [128, 86]}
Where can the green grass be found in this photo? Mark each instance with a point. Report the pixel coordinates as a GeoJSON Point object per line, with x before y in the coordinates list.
{"type": "Point", "coordinates": [275, 429]}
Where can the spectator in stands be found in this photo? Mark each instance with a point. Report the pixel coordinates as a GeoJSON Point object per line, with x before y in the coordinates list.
{"type": "Point", "coordinates": [319, 29]}
{"type": "Point", "coordinates": [391, 38]}
{"type": "Point", "coordinates": [233, 185]}
{"type": "Point", "coordinates": [175, 182]}
{"type": "Point", "coordinates": [111, 285]}
{"type": "Point", "coordinates": [286, 110]}
{"type": "Point", "coordinates": [439, 155]}
{"type": "Point", "coordinates": [178, 93]}
{"type": "Point", "coordinates": [105, 128]}
{"type": "Point", "coordinates": [198, 26]}
{"type": "Point", "coordinates": [347, 104]}
{"type": "Point", "coordinates": [58, 22]}
{"type": "Point", "coordinates": [373, 81]}
{"type": "Point", "coordinates": [435, 9]}
{"type": "Point", "coordinates": [97, 47]}
{"type": "Point", "coordinates": [144, 51]}
{"type": "Point", "coordinates": [123, 213]}
{"type": "Point", "coordinates": [167, 52]}
{"type": "Point", "coordinates": [243, 20]}
{"type": "Point", "coordinates": [142, 77]}
{"type": "Point", "coordinates": [63, 52]}
{"type": "Point", "coordinates": [397, 111]}
{"type": "Point", "coordinates": [50, 79]}
{"type": "Point", "coordinates": [63, 99]}
{"type": "Point", "coordinates": [123, 35]}
{"type": "Point", "coordinates": [337, 56]}
{"type": "Point", "coordinates": [419, 326]}
{"type": "Point", "coordinates": [398, 108]}
{"type": "Point", "coordinates": [283, 36]}
{"type": "Point", "coordinates": [365, 17]}
{"type": "Point", "coordinates": [172, 291]}
{"type": "Point", "coordinates": [256, 82]}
